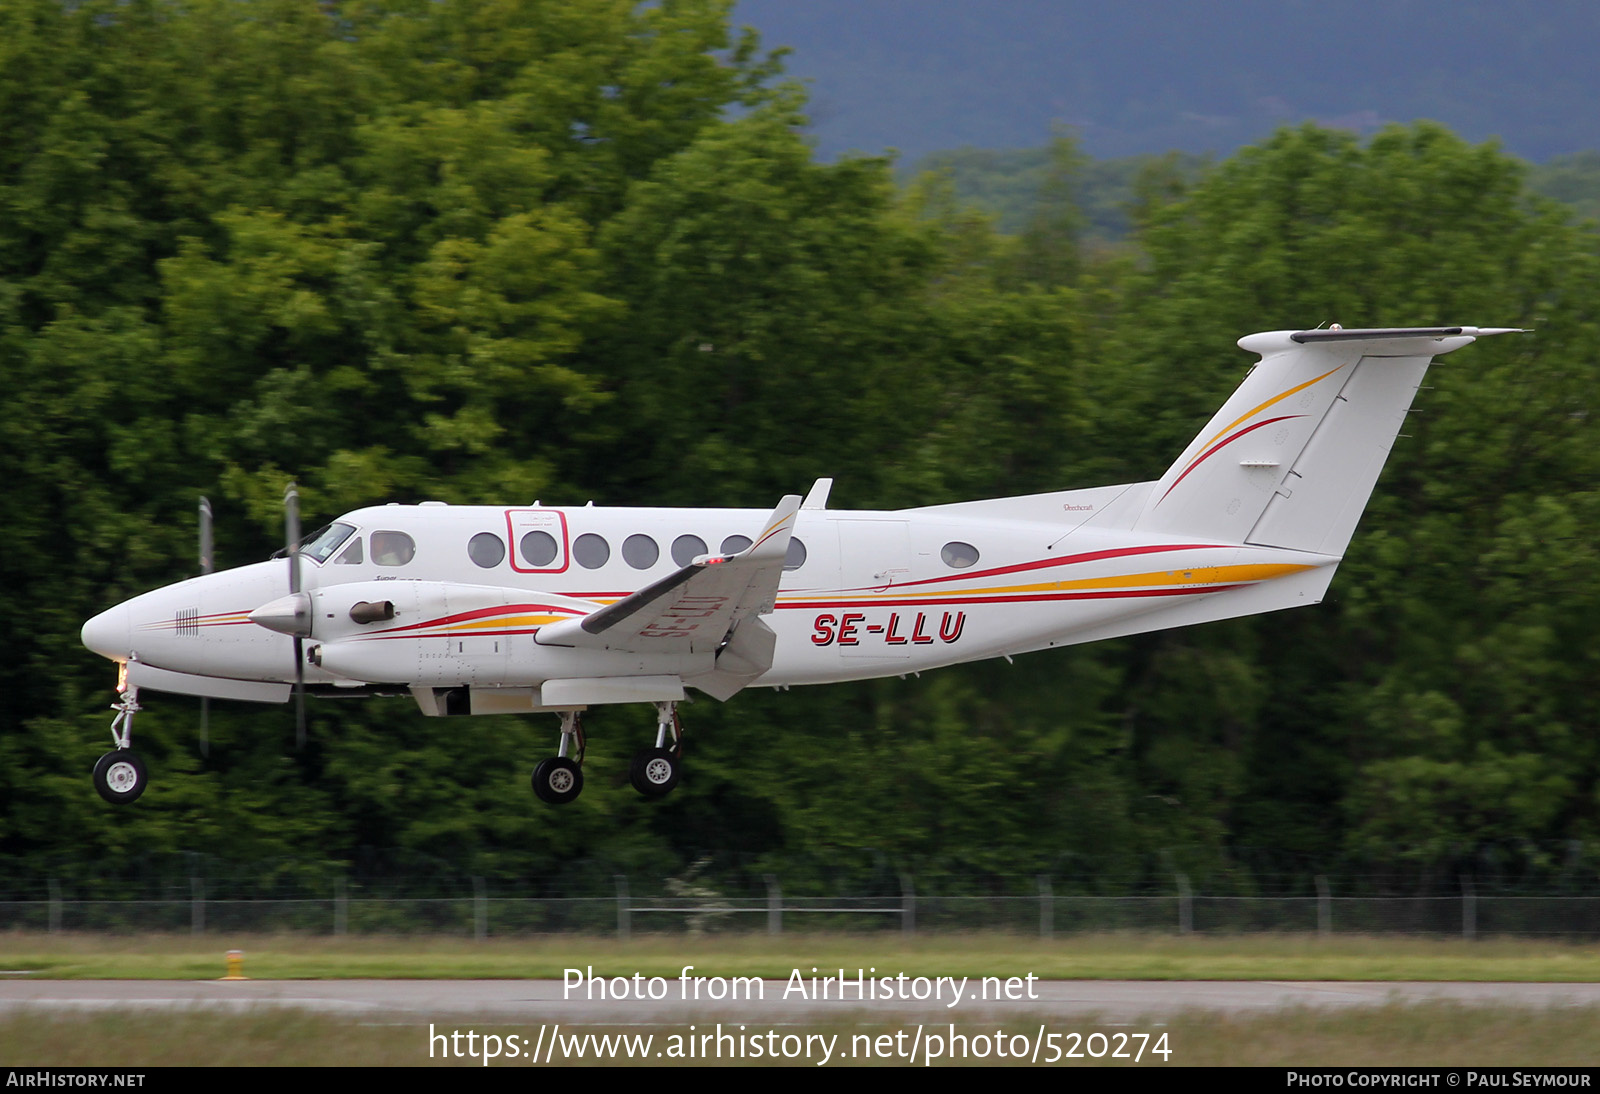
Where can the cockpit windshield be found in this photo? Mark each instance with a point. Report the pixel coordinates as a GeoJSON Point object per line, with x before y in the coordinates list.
{"type": "Point", "coordinates": [320, 545]}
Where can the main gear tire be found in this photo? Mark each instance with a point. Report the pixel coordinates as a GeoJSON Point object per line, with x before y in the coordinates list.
{"type": "Point", "coordinates": [654, 771]}
{"type": "Point", "coordinates": [557, 780]}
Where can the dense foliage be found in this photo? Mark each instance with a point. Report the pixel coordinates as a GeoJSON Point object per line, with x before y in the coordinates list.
{"type": "Point", "coordinates": [492, 251]}
{"type": "Point", "coordinates": [1012, 185]}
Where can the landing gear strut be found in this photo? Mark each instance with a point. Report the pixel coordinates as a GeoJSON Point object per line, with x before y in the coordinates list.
{"type": "Point", "coordinates": [119, 775]}
{"type": "Point", "coordinates": [654, 771]}
{"type": "Point", "coordinates": [559, 779]}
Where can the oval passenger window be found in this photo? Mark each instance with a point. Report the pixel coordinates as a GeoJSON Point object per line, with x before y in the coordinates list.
{"type": "Point", "coordinates": [640, 551]}
{"type": "Point", "coordinates": [486, 549]}
{"type": "Point", "coordinates": [796, 556]}
{"type": "Point", "coordinates": [591, 551]}
{"type": "Point", "coordinates": [959, 555]}
{"type": "Point", "coordinates": [685, 549]}
{"type": "Point", "coordinates": [538, 549]}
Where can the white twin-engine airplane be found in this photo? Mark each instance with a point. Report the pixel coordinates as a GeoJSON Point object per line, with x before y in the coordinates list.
{"type": "Point", "coordinates": [481, 610]}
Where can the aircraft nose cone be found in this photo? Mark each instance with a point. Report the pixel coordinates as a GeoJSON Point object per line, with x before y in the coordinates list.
{"type": "Point", "coordinates": [289, 615]}
{"type": "Point", "coordinates": [110, 634]}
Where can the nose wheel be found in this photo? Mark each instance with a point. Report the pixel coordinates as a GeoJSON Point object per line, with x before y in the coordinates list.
{"type": "Point", "coordinates": [120, 776]}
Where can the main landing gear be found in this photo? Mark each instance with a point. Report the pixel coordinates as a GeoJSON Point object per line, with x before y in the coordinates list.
{"type": "Point", "coordinates": [653, 772]}
{"type": "Point", "coordinates": [119, 775]}
{"type": "Point", "coordinates": [559, 779]}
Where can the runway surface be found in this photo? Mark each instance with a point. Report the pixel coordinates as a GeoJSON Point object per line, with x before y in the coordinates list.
{"type": "Point", "coordinates": [771, 1001]}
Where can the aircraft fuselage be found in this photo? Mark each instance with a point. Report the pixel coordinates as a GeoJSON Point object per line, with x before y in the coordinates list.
{"type": "Point", "coordinates": [865, 593]}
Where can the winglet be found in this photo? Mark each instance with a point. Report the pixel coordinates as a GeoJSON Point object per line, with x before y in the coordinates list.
{"type": "Point", "coordinates": [817, 496]}
{"type": "Point", "coordinates": [774, 538]}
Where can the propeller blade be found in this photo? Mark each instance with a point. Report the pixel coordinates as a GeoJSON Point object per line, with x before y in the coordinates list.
{"type": "Point", "coordinates": [206, 566]}
{"type": "Point", "coordinates": [291, 527]}
{"type": "Point", "coordinates": [291, 530]}
{"type": "Point", "coordinates": [299, 693]}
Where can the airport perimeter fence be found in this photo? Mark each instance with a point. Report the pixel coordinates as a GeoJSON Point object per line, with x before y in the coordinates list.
{"type": "Point", "coordinates": [483, 914]}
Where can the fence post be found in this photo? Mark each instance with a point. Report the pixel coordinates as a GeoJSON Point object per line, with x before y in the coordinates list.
{"type": "Point", "coordinates": [908, 905]}
{"type": "Point", "coordinates": [55, 905]}
{"type": "Point", "coordinates": [197, 905]}
{"type": "Point", "coordinates": [1469, 908]}
{"type": "Point", "coordinates": [480, 910]}
{"type": "Point", "coordinates": [1047, 908]}
{"type": "Point", "coordinates": [624, 915]}
{"type": "Point", "coordinates": [1185, 905]}
{"type": "Point", "coordinates": [1324, 907]}
{"type": "Point", "coordinates": [341, 907]}
{"type": "Point", "coordinates": [774, 906]}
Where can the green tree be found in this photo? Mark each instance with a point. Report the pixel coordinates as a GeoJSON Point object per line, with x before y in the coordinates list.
{"type": "Point", "coordinates": [1443, 660]}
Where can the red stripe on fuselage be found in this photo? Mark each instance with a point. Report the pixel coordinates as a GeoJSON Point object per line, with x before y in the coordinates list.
{"type": "Point", "coordinates": [1066, 560]}
{"type": "Point", "coordinates": [957, 599]}
{"type": "Point", "coordinates": [447, 634]}
{"type": "Point", "coordinates": [484, 613]}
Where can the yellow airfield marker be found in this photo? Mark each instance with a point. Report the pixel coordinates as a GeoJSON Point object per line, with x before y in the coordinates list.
{"type": "Point", "coordinates": [235, 966]}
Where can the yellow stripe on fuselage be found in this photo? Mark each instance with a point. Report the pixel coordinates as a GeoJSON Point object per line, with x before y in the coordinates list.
{"type": "Point", "coordinates": [1199, 575]}
{"type": "Point", "coordinates": [499, 621]}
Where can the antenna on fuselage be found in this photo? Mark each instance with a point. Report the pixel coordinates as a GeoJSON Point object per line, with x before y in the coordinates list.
{"type": "Point", "coordinates": [291, 530]}
{"type": "Point", "coordinates": [207, 565]}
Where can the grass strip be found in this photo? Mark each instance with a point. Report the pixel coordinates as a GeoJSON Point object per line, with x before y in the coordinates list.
{"type": "Point", "coordinates": [1100, 956]}
{"type": "Point", "coordinates": [1419, 1035]}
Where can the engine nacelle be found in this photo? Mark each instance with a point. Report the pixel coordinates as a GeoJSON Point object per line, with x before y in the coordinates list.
{"type": "Point", "coordinates": [430, 632]}
{"type": "Point", "coordinates": [442, 634]}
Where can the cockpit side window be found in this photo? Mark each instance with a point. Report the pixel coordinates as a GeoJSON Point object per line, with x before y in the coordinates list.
{"type": "Point", "coordinates": [319, 546]}
{"type": "Point", "coordinates": [392, 548]}
{"type": "Point", "coordinates": [351, 555]}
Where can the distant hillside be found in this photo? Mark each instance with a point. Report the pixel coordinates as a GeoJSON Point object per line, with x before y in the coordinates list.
{"type": "Point", "coordinates": [1572, 180]}
{"type": "Point", "coordinates": [1007, 184]}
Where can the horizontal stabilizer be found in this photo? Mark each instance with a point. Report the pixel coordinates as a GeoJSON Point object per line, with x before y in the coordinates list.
{"type": "Point", "coordinates": [1391, 334]}
{"type": "Point", "coordinates": [1313, 421]}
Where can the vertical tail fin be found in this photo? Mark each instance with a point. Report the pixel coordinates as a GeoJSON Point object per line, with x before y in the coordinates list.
{"type": "Point", "coordinates": [1291, 458]}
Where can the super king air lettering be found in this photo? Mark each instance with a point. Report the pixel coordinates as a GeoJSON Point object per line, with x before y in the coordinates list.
{"type": "Point", "coordinates": [852, 628]}
{"type": "Point", "coordinates": [552, 610]}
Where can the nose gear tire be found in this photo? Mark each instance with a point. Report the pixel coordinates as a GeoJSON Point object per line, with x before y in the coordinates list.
{"type": "Point", "coordinates": [120, 776]}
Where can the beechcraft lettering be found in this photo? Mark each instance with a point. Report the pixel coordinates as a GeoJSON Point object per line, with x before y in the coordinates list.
{"type": "Point", "coordinates": [556, 609]}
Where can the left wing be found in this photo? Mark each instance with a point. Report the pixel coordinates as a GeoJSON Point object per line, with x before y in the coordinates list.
{"type": "Point", "coordinates": [694, 609]}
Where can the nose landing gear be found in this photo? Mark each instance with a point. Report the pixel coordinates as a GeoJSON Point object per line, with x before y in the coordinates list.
{"type": "Point", "coordinates": [119, 775]}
